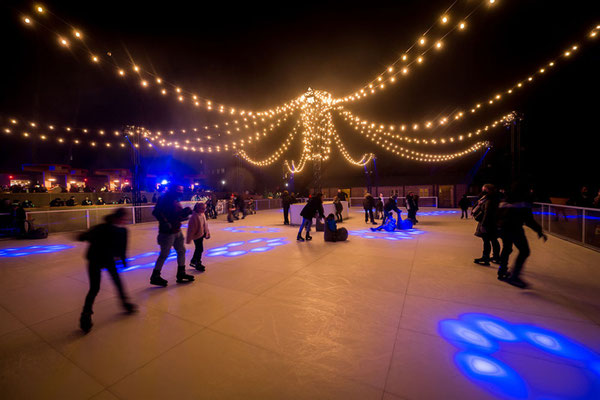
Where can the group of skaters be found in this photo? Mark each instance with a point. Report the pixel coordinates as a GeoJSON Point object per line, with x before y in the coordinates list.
{"type": "Point", "coordinates": [239, 204]}
{"type": "Point", "coordinates": [108, 244]}
{"type": "Point", "coordinates": [383, 210]}
{"type": "Point", "coordinates": [497, 217]}
{"type": "Point", "coordinates": [502, 216]}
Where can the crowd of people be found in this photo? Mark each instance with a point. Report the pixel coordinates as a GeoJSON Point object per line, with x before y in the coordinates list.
{"type": "Point", "coordinates": [500, 220]}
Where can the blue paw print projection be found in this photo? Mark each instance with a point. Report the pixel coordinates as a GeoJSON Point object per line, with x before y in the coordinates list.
{"type": "Point", "coordinates": [575, 369]}
{"type": "Point", "coordinates": [406, 234]}
{"type": "Point", "coordinates": [236, 249]}
{"type": "Point", "coordinates": [252, 229]}
{"type": "Point", "coordinates": [30, 250]}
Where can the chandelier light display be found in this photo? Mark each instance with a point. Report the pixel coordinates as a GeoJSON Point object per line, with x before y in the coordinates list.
{"type": "Point", "coordinates": [313, 111]}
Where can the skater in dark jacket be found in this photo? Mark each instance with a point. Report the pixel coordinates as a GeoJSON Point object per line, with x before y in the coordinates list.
{"type": "Point", "coordinates": [339, 207]}
{"type": "Point", "coordinates": [368, 205]}
{"type": "Point", "coordinates": [108, 242]}
{"type": "Point", "coordinates": [512, 215]}
{"type": "Point", "coordinates": [170, 214]}
{"type": "Point", "coordinates": [464, 205]}
{"type": "Point", "coordinates": [313, 207]}
{"type": "Point", "coordinates": [485, 213]}
{"type": "Point", "coordinates": [286, 202]}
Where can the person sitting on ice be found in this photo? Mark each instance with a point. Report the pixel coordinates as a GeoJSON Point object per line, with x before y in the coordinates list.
{"type": "Point", "coordinates": [332, 233]}
{"type": "Point", "coordinates": [390, 205]}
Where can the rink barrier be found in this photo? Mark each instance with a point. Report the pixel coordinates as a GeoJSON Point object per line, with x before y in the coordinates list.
{"type": "Point", "coordinates": [580, 225]}
{"type": "Point", "coordinates": [82, 218]}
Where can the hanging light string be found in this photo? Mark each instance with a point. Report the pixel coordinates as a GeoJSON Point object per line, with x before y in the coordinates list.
{"type": "Point", "coordinates": [380, 130]}
{"type": "Point", "coordinates": [296, 169]}
{"type": "Point", "coordinates": [273, 157]}
{"type": "Point", "coordinates": [342, 148]}
{"type": "Point", "coordinates": [402, 65]}
{"type": "Point", "coordinates": [188, 140]}
{"type": "Point", "coordinates": [148, 78]}
{"type": "Point", "coordinates": [12, 124]}
{"type": "Point", "coordinates": [496, 97]}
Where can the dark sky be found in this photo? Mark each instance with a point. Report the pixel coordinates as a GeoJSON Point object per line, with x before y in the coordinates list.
{"type": "Point", "coordinates": [257, 55]}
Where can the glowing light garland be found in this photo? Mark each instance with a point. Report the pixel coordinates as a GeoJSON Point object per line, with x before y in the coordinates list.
{"type": "Point", "coordinates": [272, 158]}
{"type": "Point", "coordinates": [315, 109]}
{"type": "Point", "coordinates": [148, 78]}
{"type": "Point", "coordinates": [495, 98]}
{"type": "Point", "coordinates": [377, 131]}
{"type": "Point", "coordinates": [394, 71]}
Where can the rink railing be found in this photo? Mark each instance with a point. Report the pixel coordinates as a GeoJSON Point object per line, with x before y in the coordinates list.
{"type": "Point", "coordinates": [78, 219]}
{"type": "Point", "coordinates": [579, 225]}
{"type": "Point", "coordinates": [429, 201]}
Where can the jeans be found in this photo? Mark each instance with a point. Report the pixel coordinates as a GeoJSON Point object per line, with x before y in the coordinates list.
{"type": "Point", "coordinates": [369, 214]}
{"type": "Point", "coordinates": [286, 212]}
{"type": "Point", "coordinates": [519, 239]}
{"type": "Point", "coordinates": [166, 241]}
{"type": "Point", "coordinates": [490, 242]}
{"type": "Point", "coordinates": [305, 223]}
{"type": "Point", "coordinates": [95, 274]}
{"type": "Point", "coordinates": [197, 257]}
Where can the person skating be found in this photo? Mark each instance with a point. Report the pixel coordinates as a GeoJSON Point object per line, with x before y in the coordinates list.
{"type": "Point", "coordinates": [379, 206]}
{"type": "Point", "coordinates": [485, 213]}
{"type": "Point", "coordinates": [313, 207]}
{"type": "Point", "coordinates": [412, 206]}
{"type": "Point", "coordinates": [198, 231]}
{"type": "Point", "coordinates": [464, 205]}
{"type": "Point", "coordinates": [170, 214]}
{"type": "Point", "coordinates": [390, 205]}
{"type": "Point", "coordinates": [108, 242]}
{"type": "Point", "coordinates": [286, 201]}
{"type": "Point", "coordinates": [339, 207]}
{"type": "Point", "coordinates": [368, 205]}
{"type": "Point", "coordinates": [512, 215]}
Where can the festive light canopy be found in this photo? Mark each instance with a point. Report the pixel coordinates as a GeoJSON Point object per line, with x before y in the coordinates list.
{"type": "Point", "coordinates": [313, 111]}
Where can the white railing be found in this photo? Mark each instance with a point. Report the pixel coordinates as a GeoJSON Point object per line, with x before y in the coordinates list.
{"type": "Point", "coordinates": [580, 225]}
{"type": "Point", "coordinates": [426, 201]}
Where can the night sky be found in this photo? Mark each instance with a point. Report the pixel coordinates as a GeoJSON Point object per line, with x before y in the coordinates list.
{"type": "Point", "coordinates": [255, 56]}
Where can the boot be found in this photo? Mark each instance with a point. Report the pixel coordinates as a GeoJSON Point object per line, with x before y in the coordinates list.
{"type": "Point", "coordinates": [308, 237]}
{"type": "Point", "coordinates": [482, 261]}
{"type": "Point", "coordinates": [503, 273]}
{"type": "Point", "coordinates": [156, 279]}
{"type": "Point", "coordinates": [182, 276]}
{"type": "Point", "coordinates": [300, 238]}
{"type": "Point", "coordinates": [518, 282]}
{"type": "Point", "coordinates": [85, 321]}
{"type": "Point", "coordinates": [200, 267]}
{"type": "Point", "coordinates": [130, 308]}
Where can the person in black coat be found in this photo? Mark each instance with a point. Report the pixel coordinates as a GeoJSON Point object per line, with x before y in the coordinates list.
{"type": "Point", "coordinates": [286, 202]}
{"type": "Point", "coordinates": [313, 207]}
{"type": "Point", "coordinates": [368, 205]}
{"type": "Point", "coordinates": [485, 213]}
{"type": "Point", "coordinates": [512, 215]}
{"type": "Point", "coordinates": [464, 205]}
{"type": "Point", "coordinates": [412, 206]}
{"type": "Point", "coordinates": [108, 242]}
{"type": "Point", "coordinates": [339, 207]}
{"type": "Point", "coordinates": [343, 196]}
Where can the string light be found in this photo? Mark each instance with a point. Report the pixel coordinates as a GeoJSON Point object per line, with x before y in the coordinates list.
{"type": "Point", "coordinates": [419, 43]}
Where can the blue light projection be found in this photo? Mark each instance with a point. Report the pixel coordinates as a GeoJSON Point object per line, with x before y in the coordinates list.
{"type": "Point", "coordinates": [30, 250]}
{"type": "Point", "coordinates": [479, 337]}
{"type": "Point", "coordinates": [234, 249]}
{"type": "Point", "coordinates": [251, 229]}
{"type": "Point", "coordinates": [406, 234]}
